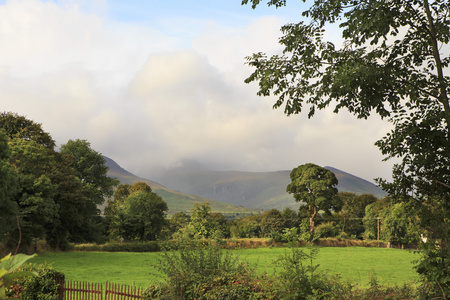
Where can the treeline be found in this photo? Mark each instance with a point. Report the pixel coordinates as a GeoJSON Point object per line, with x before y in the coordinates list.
{"type": "Point", "coordinates": [137, 214]}
{"type": "Point", "coordinates": [45, 193]}
{"type": "Point", "coordinates": [362, 217]}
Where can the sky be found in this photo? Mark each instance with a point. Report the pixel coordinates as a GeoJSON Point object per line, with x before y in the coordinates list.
{"type": "Point", "coordinates": [153, 84]}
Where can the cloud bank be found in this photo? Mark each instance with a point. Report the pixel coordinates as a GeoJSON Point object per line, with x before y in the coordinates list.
{"type": "Point", "coordinates": [150, 99]}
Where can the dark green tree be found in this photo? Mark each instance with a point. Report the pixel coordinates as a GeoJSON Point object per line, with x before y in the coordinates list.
{"type": "Point", "coordinates": [392, 63]}
{"type": "Point", "coordinates": [178, 221]}
{"type": "Point", "coordinates": [90, 168]}
{"type": "Point", "coordinates": [291, 218]}
{"type": "Point", "coordinates": [140, 216]}
{"type": "Point", "coordinates": [218, 225]}
{"type": "Point", "coordinates": [35, 199]}
{"type": "Point", "coordinates": [247, 227]}
{"type": "Point", "coordinates": [8, 188]}
{"type": "Point", "coordinates": [272, 222]}
{"type": "Point", "coordinates": [72, 205]}
{"type": "Point", "coordinates": [315, 188]}
{"type": "Point", "coordinates": [115, 211]}
{"type": "Point", "coordinates": [350, 218]}
{"type": "Point", "coordinates": [91, 171]}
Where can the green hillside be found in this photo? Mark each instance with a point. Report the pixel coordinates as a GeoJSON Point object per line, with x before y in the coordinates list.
{"type": "Point", "coordinates": [232, 192]}
{"type": "Point", "coordinates": [176, 201]}
{"type": "Point", "coordinates": [262, 190]}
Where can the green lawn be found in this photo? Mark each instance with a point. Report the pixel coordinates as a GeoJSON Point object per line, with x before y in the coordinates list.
{"type": "Point", "coordinates": [358, 264]}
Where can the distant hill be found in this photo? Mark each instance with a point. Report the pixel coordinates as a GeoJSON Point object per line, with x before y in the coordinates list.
{"type": "Point", "coordinates": [177, 201]}
{"type": "Point", "coordinates": [259, 190]}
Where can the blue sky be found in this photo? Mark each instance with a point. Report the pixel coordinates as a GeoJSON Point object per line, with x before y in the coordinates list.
{"type": "Point", "coordinates": [154, 83]}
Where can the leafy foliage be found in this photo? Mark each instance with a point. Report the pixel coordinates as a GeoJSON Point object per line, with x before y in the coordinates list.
{"type": "Point", "coordinates": [314, 186]}
{"type": "Point", "coordinates": [392, 64]}
{"type": "Point", "coordinates": [55, 198]}
{"type": "Point", "coordinates": [136, 213]}
{"type": "Point", "coordinates": [8, 187]}
{"type": "Point", "coordinates": [201, 269]}
{"type": "Point", "coordinates": [9, 271]}
{"type": "Point", "coordinates": [44, 286]}
{"type": "Point", "coordinates": [90, 168]}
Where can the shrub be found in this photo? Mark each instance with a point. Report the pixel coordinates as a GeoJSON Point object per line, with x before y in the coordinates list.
{"type": "Point", "coordinates": [149, 246]}
{"type": "Point", "coordinates": [202, 269]}
{"type": "Point", "coordinates": [44, 286]}
{"type": "Point", "coordinates": [327, 230]}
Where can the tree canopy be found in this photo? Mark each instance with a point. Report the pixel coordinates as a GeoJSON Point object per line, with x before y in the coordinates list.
{"type": "Point", "coordinates": [315, 187]}
{"type": "Point", "coordinates": [136, 213]}
{"type": "Point", "coordinates": [54, 198]}
{"type": "Point", "coordinates": [393, 62]}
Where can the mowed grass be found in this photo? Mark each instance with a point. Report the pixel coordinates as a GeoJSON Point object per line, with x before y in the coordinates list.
{"type": "Point", "coordinates": [357, 264]}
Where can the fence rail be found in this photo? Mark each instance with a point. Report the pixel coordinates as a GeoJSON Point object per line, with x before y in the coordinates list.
{"type": "Point", "coordinates": [77, 290]}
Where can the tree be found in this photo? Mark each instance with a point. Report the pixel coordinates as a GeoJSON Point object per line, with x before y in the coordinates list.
{"type": "Point", "coordinates": [353, 212]}
{"type": "Point", "coordinates": [144, 215]}
{"type": "Point", "coordinates": [46, 192]}
{"type": "Point", "coordinates": [90, 168]}
{"type": "Point", "coordinates": [291, 218]}
{"type": "Point", "coordinates": [178, 221]}
{"type": "Point", "coordinates": [91, 171]}
{"type": "Point", "coordinates": [73, 211]}
{"type": "Point", "coordinates": [391, 64]}
{"type": "Point", "coordinates": [8, 188]}
{"type": "Point", "coordinates": [199, 219]}
{"type": "Point", "coordinates": [35, 200]}
{"type": "Point", "coordinates": [136, 212]}
{"type": "Point", "coordinates": [247, 227]}
{"type": "Point", "coordinates": [272, 222]}
{"type": "Point", "coordinates": [20, 127]}
{"type": "Point", "coordinates": [315, 187]}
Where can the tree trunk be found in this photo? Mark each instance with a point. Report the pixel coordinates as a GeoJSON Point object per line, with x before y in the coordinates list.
{"type": "Point", "coordinates": [443, 96]}
{"type": "Point", "coordinates": [312, 211]}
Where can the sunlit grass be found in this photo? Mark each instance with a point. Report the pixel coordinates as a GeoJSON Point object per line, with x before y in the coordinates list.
{"type": "Point", "coordinates": [357, 264]}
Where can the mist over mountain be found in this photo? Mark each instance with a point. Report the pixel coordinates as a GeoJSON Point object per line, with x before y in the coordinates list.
{"type": "Point", "coordinates": [231, 191]}
{"type": "Point", "coordinates": [176, 200]}
{"type": "Point", "coordinates": [259, 190]}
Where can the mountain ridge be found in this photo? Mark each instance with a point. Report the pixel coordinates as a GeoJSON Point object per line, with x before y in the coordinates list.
{"type": "Point", "coordinates": [251, 190]}
{"type": "Point", "coordinates": [176, 200]}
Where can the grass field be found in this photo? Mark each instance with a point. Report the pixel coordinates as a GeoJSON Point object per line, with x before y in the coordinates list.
{"type": "Point", "coordinates": [357, 264]}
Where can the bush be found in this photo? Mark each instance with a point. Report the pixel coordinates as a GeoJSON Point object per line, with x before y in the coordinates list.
{"type": "Point", "coordinates": [202, 269]}
{"type": "Point", "coordinates": [327, 230]}
{"type": "Point", "coordinates": [150, 246]}
{"type": "Point", "coordinates": [44, 286]}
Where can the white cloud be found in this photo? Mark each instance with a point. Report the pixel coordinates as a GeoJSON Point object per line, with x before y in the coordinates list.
{"type": "Point", "coordinates": [144, 98]}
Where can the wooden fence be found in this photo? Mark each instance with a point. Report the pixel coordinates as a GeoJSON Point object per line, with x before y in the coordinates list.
{"type": "Point", "coordinates": [76, 290]}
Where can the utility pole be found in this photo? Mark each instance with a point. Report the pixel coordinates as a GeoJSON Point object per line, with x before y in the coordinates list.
{"type": "Point", "coordinates": [378, 228]}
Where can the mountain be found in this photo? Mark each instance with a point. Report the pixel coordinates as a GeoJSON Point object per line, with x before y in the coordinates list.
{"type": "Point", "coordinates": [258, 190]}
{"type": "Point", "coordinates": [177, 201]}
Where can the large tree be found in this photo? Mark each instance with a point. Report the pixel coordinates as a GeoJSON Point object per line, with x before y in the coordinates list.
{"type": "Point", "coordinates": [35, 199]}
{"type": "Point", "coordinates": [91, 171]}
{"type": "Point", "coordinates": [315, 188]}
{"type": "Point", "coordinates": [393, 62]}
{"type": "Point", "coordinates": [136, 213]}
{"type": "Point", "coordinates": [8, 188]}
{"type": "Point", "coordinates": [90, 167]}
